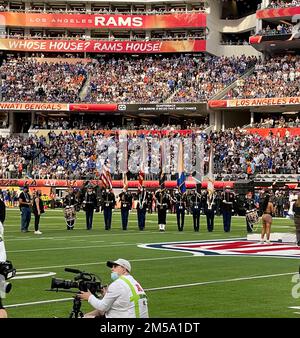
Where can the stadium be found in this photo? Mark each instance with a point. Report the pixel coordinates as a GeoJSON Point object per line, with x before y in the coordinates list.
{"type": "Point", "coordinates": [150, 124]}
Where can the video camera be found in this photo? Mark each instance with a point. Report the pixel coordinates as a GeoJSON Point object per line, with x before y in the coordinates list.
{"type": "Point", "coordinates": [84, 281]}
{"type": "Point", "coordinates": [7, 271]}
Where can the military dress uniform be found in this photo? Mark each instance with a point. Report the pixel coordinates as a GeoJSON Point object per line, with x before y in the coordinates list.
{"type": "Point", "coordinates": [108, 203]}
{"type": "Point", "coordinates": [180, 206]}
{"type": "Point", "coordinates": [125, 198]}
{"type": "Point", "coordinates": [196, 204]}
{"type": "Point", "coordinates": [209, 203]}
{"type": "Point", "coordinates": [162, 203]}
{"type": "Point", "coordinates": [143, 198]}
{"type": "Point", "coordinates": [89, 204]}
{"type": "Point", "coordinates": [226, 207]}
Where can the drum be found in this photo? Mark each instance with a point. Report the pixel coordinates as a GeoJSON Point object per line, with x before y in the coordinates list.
{"type": "Point", "coordinates": [252, 217]}
{"type": "Point", "coordinates": [70, 213]}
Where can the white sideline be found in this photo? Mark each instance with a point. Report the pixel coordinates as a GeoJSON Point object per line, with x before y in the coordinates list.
{"type": "Point", "coordinates": [166, 287]}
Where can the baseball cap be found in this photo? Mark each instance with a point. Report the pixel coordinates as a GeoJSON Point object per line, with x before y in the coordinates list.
{"type": "Point", "coordinates": [120, 261]}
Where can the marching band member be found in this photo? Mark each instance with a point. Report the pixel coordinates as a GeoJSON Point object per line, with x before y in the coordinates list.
{"type": "Point", "coordinates": [143, 199]}
{"type": "Point", "coordinates": [226, 206]}
{"type": "Point", "coordinates": [69, 203]}
{"type": "Point", "coordinates": [180, 205]}
{"type": "Point", "coordinates": [249, 205]}
{"type": "Point", "coordinates": [209, 209]}
{"type": "Point", "coordinates": [125, 197]}
{"type": "Point", "coordinates": [162, 200]}
{"type": "Point", "coordinates": [89, 203]}
{"type": "Point", "coordinates": [108, 203]}
{"type": "Point", "coordinates": [196, 204]}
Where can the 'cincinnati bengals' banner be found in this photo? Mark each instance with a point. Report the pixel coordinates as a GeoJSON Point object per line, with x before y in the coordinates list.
{"type": "Point", "coordinates": [102, 46]}
{"type": "Point", "coordinates": [173, 20]}
{"type": "Point", "coordinates": [34, 106]}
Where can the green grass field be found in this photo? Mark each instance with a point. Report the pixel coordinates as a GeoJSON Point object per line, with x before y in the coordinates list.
{"type": "Point", "coordinates": [226, 285]}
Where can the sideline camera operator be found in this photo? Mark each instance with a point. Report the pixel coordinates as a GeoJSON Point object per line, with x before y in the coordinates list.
{"type": "Point", "coordinates": [124, 297]}
{"type": "Point", "coordinates": [6, 269]}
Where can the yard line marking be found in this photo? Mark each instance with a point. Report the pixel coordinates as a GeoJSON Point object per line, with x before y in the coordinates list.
{"type": "Point", "coordinates": [168, 287]}
{"type": "Point", "coordinates": [40, 302]}
{"type": "Point", "coordinates": [221, 281]}
{"type": "Point", "coordinates": [96, 263]}
{"type": "Point", "coordinates": [88, 236]}
{"type": "Point", "coordinates": [67, 248]}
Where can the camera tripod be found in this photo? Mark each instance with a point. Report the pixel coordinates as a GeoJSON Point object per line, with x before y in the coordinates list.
{"type": "Point", "coordinates": [76, 313]}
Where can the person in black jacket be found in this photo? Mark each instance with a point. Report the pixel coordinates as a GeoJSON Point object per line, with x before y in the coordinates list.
{"type": "Point", "coordinates": [226, 207]}
{"type": "Point", "coordinates": [2, 211]}
{"type": "Point", "coordinates": [125, 198]}
{"type": "Point", "coordinates": [143, 199]}
{"type": "Point", "coordinates": [249, 205]}
{"type": "Point", "coordinates": [89, 204]}
{"type": "Point", "coordinates": [25, 204]}
{"type": "Point", "coordinates": [296, 210]}
{"type": "Point", "coordinates": [37, 209]}
{"type": "Point", "coordinates": [108, 204]}
{"type": "Point", "coordinates": [70, 203]}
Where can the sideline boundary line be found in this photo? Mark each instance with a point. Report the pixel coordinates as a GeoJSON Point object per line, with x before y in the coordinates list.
{"type": "Point", "coordinates": [166, 287]}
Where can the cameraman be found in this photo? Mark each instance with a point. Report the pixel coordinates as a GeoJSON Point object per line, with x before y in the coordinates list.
{"type": "Point", "coordinates": [124, 297]}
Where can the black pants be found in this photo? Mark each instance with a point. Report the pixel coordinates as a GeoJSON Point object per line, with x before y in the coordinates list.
{"type": "Point", "coordinates": [36, 221]}
{"type": "Point", "coordinates": [180, 218]}
{"type": "Point", "coordinates": [89, 215]}
{"type": "Point", "coordinates": [227, 220]}
{"type": "Point", "coordinates": [107, 217]}
{"type": "Point", "coordinates": [124, 216]}
{"type": "Point", "coordinates": [141, 214]}
{"type": "Point", "coordinates": [210, 216]}
{"type": "Point", "coordinates": [162, 216]}
{"type": "Point", "coordinates": [196, 219]}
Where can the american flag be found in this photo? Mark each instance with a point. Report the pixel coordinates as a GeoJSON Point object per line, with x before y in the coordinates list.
{"type": "Point", "coordinates": [210, 174]}
{"type": "Point", "coordinates": [180, 170]}
{"type": "Point", "coordinates": [141, 179]}
{"type": "Point", "coordinates": [125, 181]}
{"type": "Point", "coordinates": [106, 175]}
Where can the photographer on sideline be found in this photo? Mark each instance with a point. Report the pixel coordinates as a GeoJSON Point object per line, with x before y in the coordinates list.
{"type": "Point", "coordinates": [124, 297]}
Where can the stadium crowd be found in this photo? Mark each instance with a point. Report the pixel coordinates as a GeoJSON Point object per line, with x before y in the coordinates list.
{"type": "Point", "coordinates": [122, 79]}
{"type": "Point", "coordinates": [283, 4]}
{"type": "Point", "coordinates": [73, 155]}
{"type": "Point", "coordinates": [27, 80]}
{"type": "Point", "coordinates": [105, 9]}
{"type": "Point", "coordinates": [275, 77]}
{"type": "Point", "coordinates": [153, 79]}
{"type": "Point", "coordinates": [277, 122]}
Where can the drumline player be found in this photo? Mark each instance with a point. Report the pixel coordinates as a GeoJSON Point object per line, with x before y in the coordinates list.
{"type": "Point", "coordinates": [250, 206]}
{"type": "Point", "coordinates": [69, 203]}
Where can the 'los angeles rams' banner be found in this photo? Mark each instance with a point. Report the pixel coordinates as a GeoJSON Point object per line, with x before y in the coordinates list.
{"type": "Point", "coordinates": [102, 46]}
